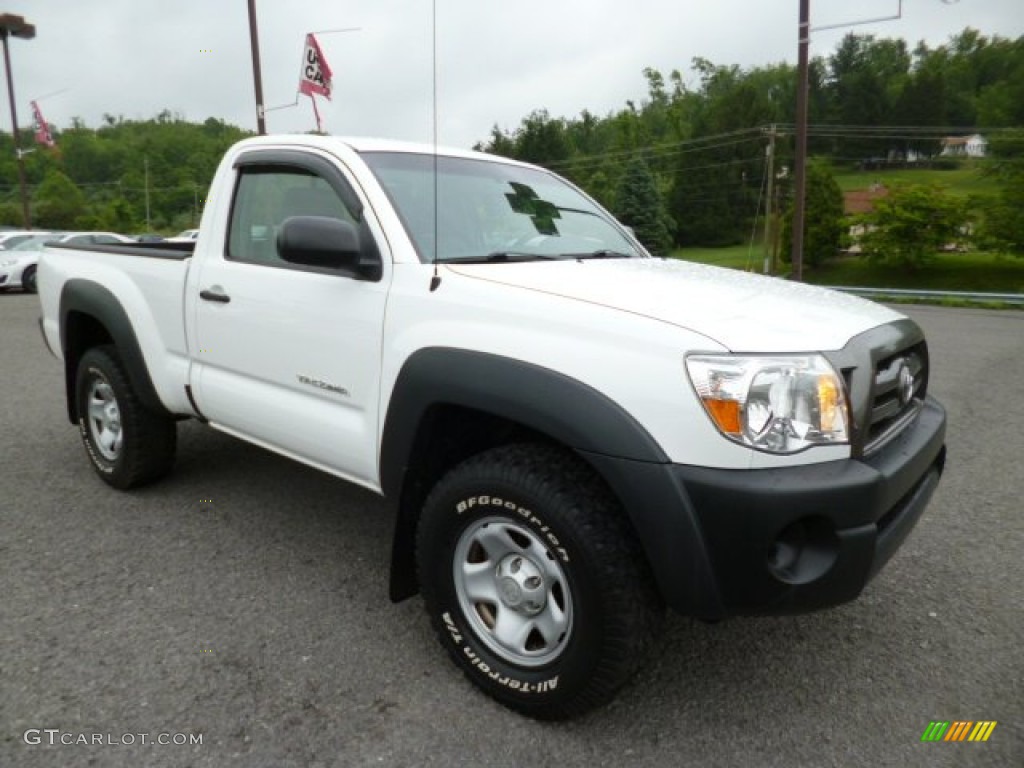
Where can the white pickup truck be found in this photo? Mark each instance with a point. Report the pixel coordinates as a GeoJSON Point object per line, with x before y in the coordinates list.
{"type": "Point", "coordinates": [574, 434]}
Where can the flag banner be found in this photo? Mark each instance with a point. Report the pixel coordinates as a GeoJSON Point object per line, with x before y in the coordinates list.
{"type": "Point", "coordinates": [316, 74]}
{"type": "Point", "coordinates": [39, 126]}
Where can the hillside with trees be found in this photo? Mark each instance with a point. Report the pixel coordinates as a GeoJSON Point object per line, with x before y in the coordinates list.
{"type": "Point", "coordinates": [106, 178]}
{"type": "Point", "coordinates": [874, 103]}
{"type": "Point", "coordinates": [685, 165]}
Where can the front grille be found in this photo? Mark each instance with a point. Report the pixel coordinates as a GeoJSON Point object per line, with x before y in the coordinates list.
{"type": "Point", "coordinates": [876, 366]}
{"type": "Point", "coordinates": [894, 398]}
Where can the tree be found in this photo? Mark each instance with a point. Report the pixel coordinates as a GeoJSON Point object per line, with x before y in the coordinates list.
{"type": "Point", "coordinates": [12, 214]}
{"type": "Point", "coordinates": [912, 224]}
{"type": "Point", "coordinates": [58, 202]}
{"type": "Point", "coordinates": [823, 218]}
{"type": "Point", "coordinates": [639, 205]}
{"type": "Point", "coordinates": [865, 76]}
{"type": "Point", "coordinates": [541, 139]}
{"type": "Point", "coordinates": [500, 144]}
{"type": "Point", "coordinates": [120, 216]}
{"type": "Point", "coordinates": [1002, 225]}
{"type": "Point", "coordinates": [922, 102]}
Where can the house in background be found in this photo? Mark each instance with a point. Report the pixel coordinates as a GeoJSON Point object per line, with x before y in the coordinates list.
{"type": "Point", "coordinates": [964, 146]}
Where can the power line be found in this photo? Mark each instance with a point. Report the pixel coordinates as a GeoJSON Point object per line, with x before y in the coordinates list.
{"type": "Point", "coordinates": [735, 138]}
{"type": "Point", "coordinates": [949, 129]}
{"type": "Point", "coordinates": [602, 159]}
{"type": "Point", "coordinates": [657, 149]}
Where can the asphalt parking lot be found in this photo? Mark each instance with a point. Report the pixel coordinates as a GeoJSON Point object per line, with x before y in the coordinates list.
{"type": "Point", "coordinates": [243, 600]}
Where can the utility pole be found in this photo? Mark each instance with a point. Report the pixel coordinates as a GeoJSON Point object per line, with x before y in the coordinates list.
{"type": "Point", "coordinates": [17, 26]}
{"type": "Point", "coordinates": [800, 151]}
{"type": "Point", "coordinates": [254, 45]}
{"type": "Point", "coordinates": [145, 165]}
{"type": "Point", "coordinates": [769, 219]}
{"type": "Point", "coordinates": [800, 159]}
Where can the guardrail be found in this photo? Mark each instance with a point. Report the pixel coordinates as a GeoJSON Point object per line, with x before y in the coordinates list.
{"type": "Point", "coordinates": [909, 293]}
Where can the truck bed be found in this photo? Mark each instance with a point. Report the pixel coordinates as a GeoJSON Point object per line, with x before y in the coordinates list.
{"type": "Point", "coordinates": [142, 281]}
{"type": "Point", "coordinates": [178, 251]}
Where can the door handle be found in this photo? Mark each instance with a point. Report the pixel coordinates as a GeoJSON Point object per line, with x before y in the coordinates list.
{"type": "Point", "coordinates": [215, 294]}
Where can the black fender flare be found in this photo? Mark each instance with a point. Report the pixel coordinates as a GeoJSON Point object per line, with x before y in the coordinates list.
{"type": "Point", "coordinates": [566, 410]}
{"type": "Point", "coordinates": [99, 303]}
{"type": "Point", "coordinates": [544, 400]}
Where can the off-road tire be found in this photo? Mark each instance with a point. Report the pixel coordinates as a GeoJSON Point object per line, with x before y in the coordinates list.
{"type": "Point", "coordinates": [127, 444]}
{"type": "Point", "coordinates": [541, 509]}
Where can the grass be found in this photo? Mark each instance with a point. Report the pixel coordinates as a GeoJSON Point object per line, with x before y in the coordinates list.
{"type": "Point", "coordinates": [733, 256]}
{"type": "Point", "coordinates": [973, 272]}
{"type": "Point", "coordinates": [976, 272]}
{"type": "Point", "coordinates": [969, 179]}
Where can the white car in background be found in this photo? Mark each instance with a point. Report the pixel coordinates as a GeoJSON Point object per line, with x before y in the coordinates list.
{"type": "Point", "coordinates": [11, 237]}
{"type": "Point", "coordinates": [186, 236]}
{"type": "Point", "coordinates": [92, 238]}
{"type": "Point", "coordinates": [18, 263]}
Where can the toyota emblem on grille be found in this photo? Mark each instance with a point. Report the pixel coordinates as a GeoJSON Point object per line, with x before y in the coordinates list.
{"type": "Point", "coordinates": [906, 384]}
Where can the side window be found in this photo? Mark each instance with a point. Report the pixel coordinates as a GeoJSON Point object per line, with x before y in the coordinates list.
{"type": "Point", "coordinates": [264, 198]}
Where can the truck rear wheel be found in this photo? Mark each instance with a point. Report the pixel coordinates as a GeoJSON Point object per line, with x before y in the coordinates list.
{"type": "Point", "coordinates": [127, 444]}
{"type": "Point", "coordinates": [534, 581]}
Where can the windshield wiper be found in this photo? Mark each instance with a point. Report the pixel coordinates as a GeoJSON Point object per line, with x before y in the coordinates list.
{"type": "Point", "coordinates": [497, 256]}
{"type": "Point", "coordinates": [603, 253]}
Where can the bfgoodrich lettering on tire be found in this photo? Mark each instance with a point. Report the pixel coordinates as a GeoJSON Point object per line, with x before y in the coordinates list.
{"type": "Point", "coordinates": [534, 581]}
{"type": "Point", "coordinates": [127, 444]}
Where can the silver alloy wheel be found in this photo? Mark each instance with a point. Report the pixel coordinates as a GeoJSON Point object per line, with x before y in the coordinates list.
{"type": "Point", "coordinates": [513, 591]}
{"type": "Point", "coordinates": [105, 420]}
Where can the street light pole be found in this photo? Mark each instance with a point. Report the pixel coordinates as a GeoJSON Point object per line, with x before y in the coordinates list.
{"type": "Point", "coordinates": [254, 45]}
{"type": "Point", "coordinates": [17, 26]}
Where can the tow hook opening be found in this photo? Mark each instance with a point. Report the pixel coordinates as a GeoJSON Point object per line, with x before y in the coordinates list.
{"type": "Point", "coordinates": [804, 551]}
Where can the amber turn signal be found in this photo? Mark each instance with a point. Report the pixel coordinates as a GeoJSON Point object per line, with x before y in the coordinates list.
{"type": "Point", "coordinates": [726, 414]}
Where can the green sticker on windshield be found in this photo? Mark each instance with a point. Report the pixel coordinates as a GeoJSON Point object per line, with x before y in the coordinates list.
{"type": "Point", "coordinates": [541, 212]}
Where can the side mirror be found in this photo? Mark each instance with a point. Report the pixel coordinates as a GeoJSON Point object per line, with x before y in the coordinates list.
{"type": "Point", "coordinates": [320, 241]}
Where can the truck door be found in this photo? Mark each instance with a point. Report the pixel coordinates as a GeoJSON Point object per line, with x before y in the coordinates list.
{"type": "Point", "coordinates": [289, 356]}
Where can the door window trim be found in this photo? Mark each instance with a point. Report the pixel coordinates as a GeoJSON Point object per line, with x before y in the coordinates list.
{"type": "Point", "coordinates": [290, 160]}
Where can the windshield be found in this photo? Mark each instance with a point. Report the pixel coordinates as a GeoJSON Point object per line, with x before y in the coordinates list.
{"type": "Point", "coordinates": [490, 211]}
{"type": "Point", "coordinates": [36, 243]}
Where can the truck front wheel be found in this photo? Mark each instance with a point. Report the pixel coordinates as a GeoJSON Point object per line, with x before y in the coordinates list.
{"type": "Point", "coordinates": [127, 444]}
{"type": "Point", "coordinates": [534, 581]}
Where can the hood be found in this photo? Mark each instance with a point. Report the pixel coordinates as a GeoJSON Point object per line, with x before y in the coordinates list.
{"type": "Point", "coordinates": [742, 311]}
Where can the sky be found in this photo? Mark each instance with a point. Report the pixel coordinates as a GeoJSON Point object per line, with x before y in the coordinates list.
{"type": "Point", "coordinates": [496, 61]}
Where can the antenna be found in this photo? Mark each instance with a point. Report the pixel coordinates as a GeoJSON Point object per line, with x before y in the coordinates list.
{"type": "Point", "coordinates": [436, 279]}
{"type": "Point", "coordinates": [51, 94]}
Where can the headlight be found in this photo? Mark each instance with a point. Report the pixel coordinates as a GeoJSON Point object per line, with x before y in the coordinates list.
{"type": "Point", "coordinates": [779, 404]}
{"type": "Point", "coordinates": [8, 262]}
